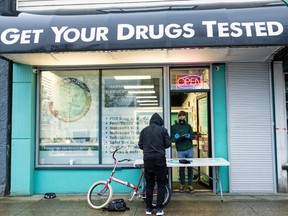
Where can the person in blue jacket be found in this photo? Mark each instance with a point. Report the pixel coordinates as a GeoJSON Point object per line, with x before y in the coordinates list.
{"type": "Point", "coordinates": [182, 135]}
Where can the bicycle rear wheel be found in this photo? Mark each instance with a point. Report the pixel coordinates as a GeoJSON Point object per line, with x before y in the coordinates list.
{"type": "Point", "coordinates": [167, 195]}
{"type": "Point", "coordinates": [99, 194]}
{"type": "Point", "coordinates": [166, 198]}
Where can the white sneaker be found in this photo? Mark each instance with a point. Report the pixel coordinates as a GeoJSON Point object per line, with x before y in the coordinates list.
{"type": "Point", "coordinates": [160, 211]}
{"type": "Point", "coordinates": [148, 211]}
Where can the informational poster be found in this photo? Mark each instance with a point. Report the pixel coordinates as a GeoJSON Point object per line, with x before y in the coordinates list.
{"type": "Point", "coordinates": [203, 121]}
{"type": "Point", "coordinates": [122, 131]}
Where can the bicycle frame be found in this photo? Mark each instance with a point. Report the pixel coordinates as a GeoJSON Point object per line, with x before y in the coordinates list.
{"type": "Point", "coordinates": [128, 184]}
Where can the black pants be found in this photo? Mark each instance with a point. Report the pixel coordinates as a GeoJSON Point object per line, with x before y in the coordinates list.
{"type": "Point", "coordinates": [155, 170]}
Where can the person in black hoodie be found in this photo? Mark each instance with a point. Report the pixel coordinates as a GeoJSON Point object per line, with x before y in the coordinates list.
{"type": "Point", "coordinates": [153, 140]}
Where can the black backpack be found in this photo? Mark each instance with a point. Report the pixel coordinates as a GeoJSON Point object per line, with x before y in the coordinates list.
{"type": "Point", "coordinates": [116, 205]}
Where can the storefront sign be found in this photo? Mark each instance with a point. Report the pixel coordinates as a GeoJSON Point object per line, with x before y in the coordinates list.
{"type": "Point", "coordinates": [189, 82]}
{"type": "Point", "coordinates": [142, 30]}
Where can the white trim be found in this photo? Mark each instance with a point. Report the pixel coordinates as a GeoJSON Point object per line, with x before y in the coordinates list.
{"type": "Point", "coordinates": [280, 125]}
{"type": "Point", "coordinates": [166, 102]}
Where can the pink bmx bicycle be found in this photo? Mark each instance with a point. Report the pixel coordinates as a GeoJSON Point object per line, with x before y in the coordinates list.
{"type": "Point", "coordinates": [100, 193]}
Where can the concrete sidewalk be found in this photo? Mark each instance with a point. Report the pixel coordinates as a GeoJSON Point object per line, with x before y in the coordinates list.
{"type": "Point", "coordinates": [197, 204]}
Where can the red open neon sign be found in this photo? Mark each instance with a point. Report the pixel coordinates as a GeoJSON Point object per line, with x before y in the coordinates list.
{"type": "Point", "coordinates": [189, 82]}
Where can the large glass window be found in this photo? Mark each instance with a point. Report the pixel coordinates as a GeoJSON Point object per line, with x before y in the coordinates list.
{"type": "Point", "coordinates": [81, 123]}
{"type": "Point", "coordinates": [129, 98]}
{"type": "Point", "coordinates": [68, 128]}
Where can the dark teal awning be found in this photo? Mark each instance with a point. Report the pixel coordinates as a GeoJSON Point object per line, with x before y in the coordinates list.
{"type": "Point", "coordinates": [27, 33]}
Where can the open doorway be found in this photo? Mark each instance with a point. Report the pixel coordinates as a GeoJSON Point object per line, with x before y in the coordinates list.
{"type": "Point", "coordinates": [196, 105]}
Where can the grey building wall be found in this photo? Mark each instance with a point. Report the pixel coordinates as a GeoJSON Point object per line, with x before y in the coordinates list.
{"type": "Point", "coordinates": [5, 125]}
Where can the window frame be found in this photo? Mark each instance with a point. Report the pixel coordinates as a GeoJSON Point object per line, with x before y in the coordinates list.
{"type": "Point", "coordinates": [100, 121]}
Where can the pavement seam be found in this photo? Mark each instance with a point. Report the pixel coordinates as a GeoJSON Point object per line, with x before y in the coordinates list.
{"type": "Point", "coordinates": [253, 210]}
{"type": "Point", "coordinates": [34, 203]}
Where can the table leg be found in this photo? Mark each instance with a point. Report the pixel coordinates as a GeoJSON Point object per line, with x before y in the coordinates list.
{"type": "Point", "coordinates": [218, 181]}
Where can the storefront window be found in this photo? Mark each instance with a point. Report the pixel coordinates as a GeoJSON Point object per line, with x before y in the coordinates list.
{"type": "Point", "coordinates": [129, 98]}
{"type": "Point", "coordinates": [68, 127]}
{"type": "Point", "coordinates": [190, 79]}
{"type": "Point", "coordinates": [74, 131]}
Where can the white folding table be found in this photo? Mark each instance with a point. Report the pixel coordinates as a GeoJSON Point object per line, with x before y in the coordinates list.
{"type": "Point", "coordinates": [215, 163]}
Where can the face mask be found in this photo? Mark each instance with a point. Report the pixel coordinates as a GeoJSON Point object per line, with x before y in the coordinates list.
{"type": "Point", "coordinates": [181, 121]}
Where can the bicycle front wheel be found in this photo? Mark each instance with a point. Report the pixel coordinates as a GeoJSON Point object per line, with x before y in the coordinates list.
{"type": "Point", "coordinates": [99, 195]}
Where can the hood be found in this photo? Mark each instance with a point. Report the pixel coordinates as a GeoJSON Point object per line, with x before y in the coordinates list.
{"type": "Point", "coordinates": [156, 118]}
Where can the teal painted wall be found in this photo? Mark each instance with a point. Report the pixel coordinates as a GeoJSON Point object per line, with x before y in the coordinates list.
{"type": "Point", "coordinates": [23, 130]}
{"type": "Point", "coordinates": [79, 181]}
{"type": "Point", "coordinates": [220, 120]}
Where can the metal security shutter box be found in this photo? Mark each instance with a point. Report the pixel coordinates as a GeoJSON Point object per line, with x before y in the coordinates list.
{"type": "Point", "coordinates": [250, 136]}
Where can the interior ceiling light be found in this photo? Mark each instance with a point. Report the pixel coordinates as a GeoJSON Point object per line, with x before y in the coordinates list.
{"type": "Point", "coordinates": [141, 92]}
{"type": "Point", "coordinates": [132, 77]}
{"type": "Point", "coordinates": [139, 87]}
{"type": "Point", "coordinates": [147, 101]}
{"type": "Point", "coordinates": [150, 104]}
{"type": "Point", "coordinates": [145, 97]}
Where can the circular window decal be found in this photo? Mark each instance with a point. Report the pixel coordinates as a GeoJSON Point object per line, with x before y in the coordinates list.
{"type": "Point", "coordinates": [71, 100]}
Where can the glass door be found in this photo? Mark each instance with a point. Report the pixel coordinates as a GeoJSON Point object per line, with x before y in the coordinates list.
{"type": "Point", "coordinates": [203, 138]}
{"type": "Point", "coordinates": [190, 93]}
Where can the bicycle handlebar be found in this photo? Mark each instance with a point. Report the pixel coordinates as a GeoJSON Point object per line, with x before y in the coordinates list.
{"type": "Point", "coordinates": [115, 153]}
{"type": "Point", "coordinates": [124, 160]}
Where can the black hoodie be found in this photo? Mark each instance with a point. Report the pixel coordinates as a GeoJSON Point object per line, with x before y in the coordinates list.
{"type": "Point", "coordinates": [154, 139]}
